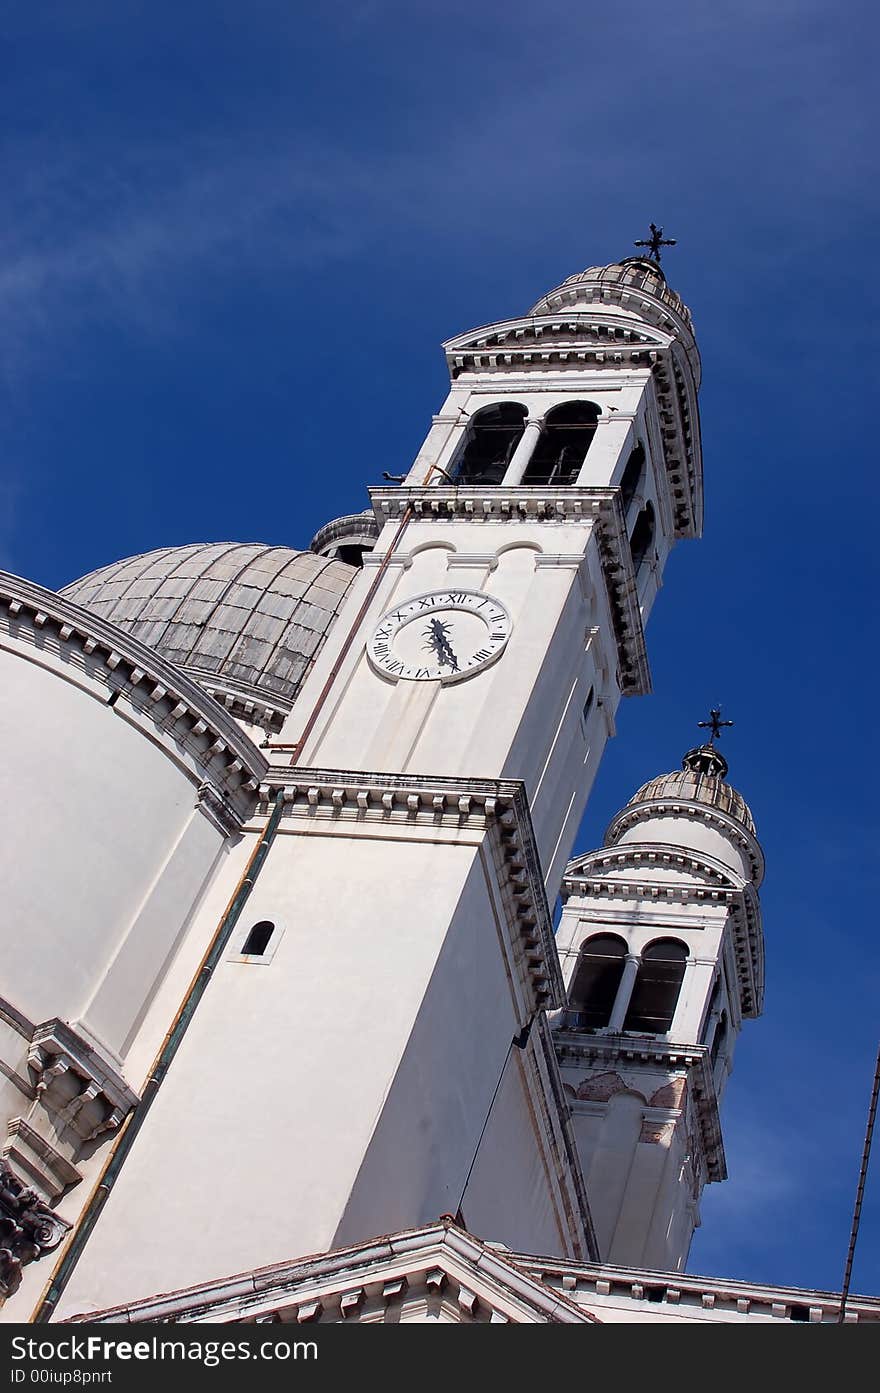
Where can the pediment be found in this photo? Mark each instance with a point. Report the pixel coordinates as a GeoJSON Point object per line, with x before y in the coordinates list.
{"type": "Point", "coordinates": [438, 1274]}
{"type": "Point", "coordinates": [652, 863]}
{"type": "Point", "coordinates": [579, 329]}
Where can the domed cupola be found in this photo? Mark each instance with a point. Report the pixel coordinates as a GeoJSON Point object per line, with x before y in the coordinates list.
{"type": "Point", "coordinates": [531, 393]}
{"type": "Point", "coordinates": [245, 620]}
{"type": "Point", "coordinates": [694, 806]}
{"type": "Point", "coordinates": [634, 282]}
{"type": "Point", "coordinates": [701, 779]}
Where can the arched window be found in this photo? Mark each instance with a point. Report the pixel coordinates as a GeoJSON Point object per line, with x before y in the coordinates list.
{"type": "Point", "coordinates": [257, 940]}
{"type": "Point", "coordinates": [642, 535]}
{"type": "Point", "coordinates": [564, 441]}
{"type": "Point", "coordinates": [655, 994]}
{"type": "Point", "coordinates": [632, 476]}
{"type": "Point", "coordinates": [596, 979]}
{"type": "Point", "coordinates": [492, 436]}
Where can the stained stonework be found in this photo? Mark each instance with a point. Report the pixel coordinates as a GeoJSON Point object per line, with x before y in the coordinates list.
{"type": "Point", "coordinates": [601, 1087]}
{"type": "Point", "coordinates": [671, 1095]}
{"type": "Point", "coordinates": [657, 1133]}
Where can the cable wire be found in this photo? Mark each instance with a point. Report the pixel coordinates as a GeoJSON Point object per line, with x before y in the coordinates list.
{"type": "Point", "coordinates": [857, 1211]}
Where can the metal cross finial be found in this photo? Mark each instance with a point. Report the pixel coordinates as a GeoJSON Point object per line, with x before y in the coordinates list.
{"type": "Point", "coordinates": [715, 722]}
{"type": "Point", "coordinates": [655, 242]}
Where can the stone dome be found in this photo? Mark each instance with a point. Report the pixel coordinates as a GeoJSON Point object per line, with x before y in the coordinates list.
{"type": "Point", "coordinates": [701, 779]}
{"type": "Point", "coordinates": [244, 620]}
{"type": "Point", "coordinates": [636, 272]}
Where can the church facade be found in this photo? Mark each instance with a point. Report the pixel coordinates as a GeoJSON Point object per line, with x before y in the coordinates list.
{"type": "Point", "coordinates": [286, 1032]}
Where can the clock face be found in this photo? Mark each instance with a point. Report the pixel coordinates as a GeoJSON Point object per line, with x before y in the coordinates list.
{"type": "Point", "coordinates": [443, 635]}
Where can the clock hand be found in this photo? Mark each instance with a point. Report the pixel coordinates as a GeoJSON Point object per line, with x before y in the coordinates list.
{"type": "Point", "coordinates": [437, 634]}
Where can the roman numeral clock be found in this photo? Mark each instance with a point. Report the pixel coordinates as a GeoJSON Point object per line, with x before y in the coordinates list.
{"type": "Point", "coordinates": [443, 635]}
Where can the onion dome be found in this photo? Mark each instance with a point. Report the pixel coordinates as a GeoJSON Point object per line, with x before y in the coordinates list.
{"type": "Point", "coordinates": [245, 620]}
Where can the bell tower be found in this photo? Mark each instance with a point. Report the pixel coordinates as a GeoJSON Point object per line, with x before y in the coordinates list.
{"type": "Point", "coordinates": [557, 476]}
{"type": "Point", "coordinates": [385, 1056]}
{"type": "Point", "coordinates": [661, 947]}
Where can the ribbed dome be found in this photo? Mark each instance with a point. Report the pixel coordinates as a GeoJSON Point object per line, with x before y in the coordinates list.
{"type": "Point", "coordinates": [640, 273]}
{"type": "Point", "coordinates": [700, 780]}
{"type": "Point", "coordinates": [240, 617]}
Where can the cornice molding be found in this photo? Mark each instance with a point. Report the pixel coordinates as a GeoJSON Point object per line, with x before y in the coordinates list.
{"type": "Point", "coordinates": [243, 700]}
{"type": "Point", "coordinates": [494, 808]}
{"type": "Point", "coordinates": [576, 504]}
{"type": "Point", "coordinates": [575, 329]}
{"type": "Point", "coordinates": [642, 811]}
{"type": "Point", "coordinates": [594, 337]}
{"type": "Point", "coordinates": [590, 865]}
{"type": "Point", "coordinates": [180, 712]}
{"type": "Point", "coordinates": [718, 1297]}
{"type": "Point", "coordinates": [15, 1018]}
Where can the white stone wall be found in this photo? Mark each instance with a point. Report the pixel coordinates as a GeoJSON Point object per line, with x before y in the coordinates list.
{"type": "Point", "coordinates": [257, 1138]}
{"type": "Point", "coordinates": [520, 718]}
{"type": "Point", "coordinates": [512, 1195]}
{"type": "Point", "coordinates": [696, 834]}
{"type": "Point", "coordinates": [104, 853]}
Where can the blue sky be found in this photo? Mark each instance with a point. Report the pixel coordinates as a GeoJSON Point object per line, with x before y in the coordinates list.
{"type": "Point", "coordinates": [234, 236]}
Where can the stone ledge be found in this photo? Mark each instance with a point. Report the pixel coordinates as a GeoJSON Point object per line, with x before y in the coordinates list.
{"type": "Point", "coordinates": [47, 1168]}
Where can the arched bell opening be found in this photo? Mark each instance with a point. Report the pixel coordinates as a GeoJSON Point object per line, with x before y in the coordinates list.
{"type": "Point", "coordinates": [487, 449]}
{"type": "Point", "coordinates": [657, 987]}
{"type": "Point", "coordinates": [565, 438]}
{"type": "Point", "coordinates": [596, 981]}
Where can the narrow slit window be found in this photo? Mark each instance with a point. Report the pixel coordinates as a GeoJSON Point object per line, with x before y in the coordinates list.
{"type": "Point", "coordinates": [588, 704]}
{"type": "Point", "coordinates": [257, 940]}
